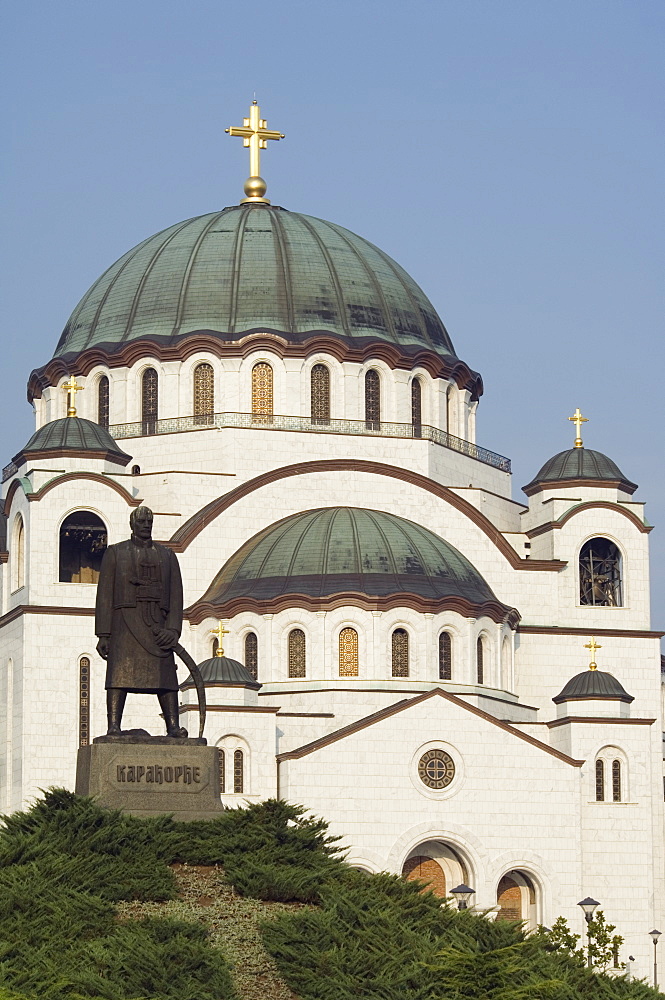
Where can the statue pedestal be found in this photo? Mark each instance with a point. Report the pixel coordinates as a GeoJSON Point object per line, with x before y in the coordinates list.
{"type": "Point", "coordinates": [151, 776]}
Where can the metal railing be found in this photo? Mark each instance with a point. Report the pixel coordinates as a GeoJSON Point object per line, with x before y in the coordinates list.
{"type": "Point", "coordinates": [9, 471]}
{"type": "Point", "coordinates": [310, 425]}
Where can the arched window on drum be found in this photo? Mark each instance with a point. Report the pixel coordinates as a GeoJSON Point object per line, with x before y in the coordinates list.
{"type": "Point", "coordinates": [417, 408]}
{"type": "Point", "coordinates": [373, 400]}
{"type": "Point", "coordinates": [348, 653]}
{"type": "Point", "coordinates": [103, 401]}
{"type": "Point", "coordinates": [320, 394]}
{"type": "Point", "coordinates": [204, 394]}
{"type": "Point", "coordinates": [400, 653]}
{"type": "Point", "coordinates": [149, 400]}
{"type": "Point", "coordinates": [262, 393]}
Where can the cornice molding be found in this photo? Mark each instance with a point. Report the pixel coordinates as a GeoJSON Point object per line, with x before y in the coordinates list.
{"type": "Point", "coordinates": [41, 609]}
{"type": "Point", "coordinates": [620, 633]}
{"type": "Point", "coordinates": [599, 720]}
{"type": "Point", "coordinates": [187, 532]}
{"type": "Point", "coordinates": [244, 344]}
{"type": "Point", "coordinates": [557, 484]}
{"type": "Point", "coordinates": [589, 505]}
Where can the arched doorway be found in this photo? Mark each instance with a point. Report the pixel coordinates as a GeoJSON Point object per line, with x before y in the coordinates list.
{"type": "Point", "coordinates": [516, 898]}
{"type": "Point", "coordinates": [438, 864]}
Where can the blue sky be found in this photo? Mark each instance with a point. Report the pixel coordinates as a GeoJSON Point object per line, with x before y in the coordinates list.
{"type": "Point", "coordinates": [508, 153]}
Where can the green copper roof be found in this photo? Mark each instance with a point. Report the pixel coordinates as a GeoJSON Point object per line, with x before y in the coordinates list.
{"type": "Point", "coordinates": [580, 463]}
{"type": "Point", "coordinates": [254, 268]}
{"type": "Point", "coordinates": [347, 549]}
{"type": "Point", "coordinates": [74, 434]}
{"type": "Point", "coordinates": [223, 670]}
{"type": "Point", "coordinates": [593, 684]}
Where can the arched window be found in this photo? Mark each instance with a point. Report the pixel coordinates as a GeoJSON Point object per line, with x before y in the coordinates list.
{"type": "Point", "coordinates": [103, 401]}
{"type": "Point", "coordinates": [222, 770]}
{"type": "Point", "coordinates": [297, 654]}
{"type": "Point", "coordinates": [480, 659]}
{"type": "Point", "coordinates": [600, 574]}
{"type": "Point", "coordinates": [451, 423]}
{"type": "Point", "coordinates": [423, 869]}
{"type": "Point", "coordinates": [505, 663]}
{"type": "Point", "coordinates": [82, 544]}
{"type": "Point", "coordinates": [372, 400]}
{"type": "Point", "coordinates": [600, 780]}
{"type": "Point", "coordinates": [252, 654]}
{"type": "Point", "coordinates": [238, 771]}
{"type": "Point", "coordinates": [400, 653]}
{"type": "Point", "coordinates": [348, 653]}
{"type": "Point", "coordinates": [445, 657]}
{"type": "Point", "coordinates": [18, 554]}
{"type": "Point", "coordinates": [320, 394]}
{"type": "Point", "coordinates": [516, 898]}
{"type": "Point", "coordinates": [262, 393]}
{"type": "Point", "coordinates": [204, 394]}
{"type": "Point", "coordinates": [416, 408]}
{"type": "Point", "coordinates": [616, 781]}
{"type": "Point", "coordinates": [136, 470]}
{"type": "Point", "coordinates": [215, 646]}
{"type": "Point", "coordinates": [149, 400]}
{"type": "Point", "coordinates": [84, 701]}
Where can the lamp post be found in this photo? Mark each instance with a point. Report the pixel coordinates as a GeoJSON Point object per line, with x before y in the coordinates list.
{"type": "Point", "coordinates": [654, 935]}
{"type": "Point", "coordinates": [589, 906]}
{"type": "Point", "coordinates": [462, 894]}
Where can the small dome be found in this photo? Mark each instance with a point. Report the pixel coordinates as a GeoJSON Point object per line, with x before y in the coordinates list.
{"type": "Point", "coordinates": [222, 670]}
{"type": "Point", "coordinates": [580, 467]}
{"type": "Point", "coordinates": [73, 435]}
{"type": "Point", "coordinates": [348, 553]}
{"type": "Point", "coordinates": [593, 684]}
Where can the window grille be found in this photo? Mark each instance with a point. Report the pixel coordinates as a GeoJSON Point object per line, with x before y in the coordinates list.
{"type": "Point", "coordinates": [238, 771]}
{"type": "Point", "coordinates": [445, 657]}
{"type": "Point", "coordinates": [600, 574]}
{"type": "Point", "coordinates": [252, 654]}
{"type": "Point", "coordinates": [600, 781]}
{"type": "Point", "coordinates": [348, 653]}
{"type": "Point", "coordinates": [436, 769]}
{"type": "Point", "coordinates": [480, 667]}
{"type": "Point", "coordinates": [103, 402]}
{"type": "Point", "coordinates": [204, 394]}
{"type": "Point", "coordinates": [297, 662]}
{"type": "Point", "coordinates": [616, 781]}
{"type": "Point", "coordinates": [400, 653]}
{"type": "Point", "coordinates": [84, 701]}
{"type": "Point", "coordinates": [82, 544]}
{"type": "Point", "coordinates": [262, 401]}
{"type": "Point", "coordinates": [222, 771]}
{"type": "Point", "coordinates": [149, 400]}
{"type": "Point", "coordinates": [416, 408]}
{"type": "Point", "coordinates": [372, 400]}
{"type": "Point", "coordinates": [320, 392]}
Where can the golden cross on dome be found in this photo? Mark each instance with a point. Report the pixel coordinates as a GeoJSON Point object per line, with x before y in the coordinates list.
{"type": "Point", "coordinates": [220, 632]}
{"type": "Point", "coordinates": [255, 135]}
{"type": "Point", "coordinates": [578, 420]}
{"type": "Point", "coordinates": [71, 388]}
{"type": "Point", "coordinates": [592, 646]}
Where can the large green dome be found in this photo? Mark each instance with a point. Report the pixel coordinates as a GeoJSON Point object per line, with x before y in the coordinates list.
{"type": "Point", "coordinates": [353, 554]}
{"type": "Point", "coordinates": [254, 268]}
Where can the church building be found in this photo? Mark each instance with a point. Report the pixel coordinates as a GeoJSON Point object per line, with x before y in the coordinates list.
{"type": "Point", "coordinates": [466, 686]}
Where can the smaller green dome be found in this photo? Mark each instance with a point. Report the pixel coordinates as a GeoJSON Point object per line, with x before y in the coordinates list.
{"type": "Point", "coordinates": [583, 466]}
{"type": "Point", "coordinates": [593, 685]}
{"type": "Point", "coordinates": [73, 435]}
{"type": "Point", "coordinates": [222, 670]}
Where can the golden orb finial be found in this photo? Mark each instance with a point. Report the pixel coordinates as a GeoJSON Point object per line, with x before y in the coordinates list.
{"type": "Point", "coordinates": [255, 136]}
{"type": "Point", "coordinates": [592, 646]}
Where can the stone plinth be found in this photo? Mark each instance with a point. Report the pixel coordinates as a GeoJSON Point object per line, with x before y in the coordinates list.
{"type": "Point", "coordinates": [149, 778]}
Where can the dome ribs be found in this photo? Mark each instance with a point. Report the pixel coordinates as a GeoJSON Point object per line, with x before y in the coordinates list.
{"type": "Point", "coordinates": [334, 277]}
{"type": "Point", "coordinates": [184, 287]}
{"type": "Point", "coordinates": [282, 253]}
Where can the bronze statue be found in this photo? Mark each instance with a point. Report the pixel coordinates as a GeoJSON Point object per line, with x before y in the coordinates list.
{"type": "Point", "coordinates": [138, 620]}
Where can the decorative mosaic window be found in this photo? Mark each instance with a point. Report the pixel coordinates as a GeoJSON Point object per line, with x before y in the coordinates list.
{"type": "Point", "coordinates": [297, 653]}
{"type": "Point", "coordinates": [348, 653]}
{"type": "Point", "coordinates": [436, 769]}
{"type": "Point", "coordinates": [372, 399]}
{"type": "Point", "coordinates": [600, 781]}
{"type": "Point", "coordinates": [416, 408]}
{"type": "Point", "coordinates": [320, 391]}
{"type": "Point", "coordinates": [600, 574]}
{"type": "Point", "coordinates": [400, 652]}
{"type": "Point", "coordinates": [204, 394]}
{"type": "Point", "coordinates": [252, 654]}
{"type": "Point", "coordinates": [616, 781]}
{"type": "Point", "coordinates": [149, 400]}
{"type": "Point", "coordinates": [103, 401]}
{"type": "Point", "coordinates": [238, 771]}
{"type": "Point", "coordinates": [222, 771]}
{"type": "Point", "coordinates": [480, 656]}
{"type": "Point", "coordinates": [84, 701]}
{"type": "Point", "coordinates": [262, 392]}
{"type": "Point", "coordinates": [445, 657]}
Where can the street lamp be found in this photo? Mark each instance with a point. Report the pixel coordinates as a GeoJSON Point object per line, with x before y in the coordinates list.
{"type": "Point", "coordinates": [589, 906]}
{"type": "Point", "coordinates": [654, 935]}
{"type": "Point", "coordinates": [462, 894]}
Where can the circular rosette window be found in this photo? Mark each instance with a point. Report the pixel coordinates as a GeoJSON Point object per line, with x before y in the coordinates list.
{"type": "Point", "coordinates": [436, 769]}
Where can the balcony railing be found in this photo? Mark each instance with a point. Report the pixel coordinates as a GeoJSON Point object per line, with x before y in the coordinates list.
{"type": "Point", "coordinates": [310, 425]}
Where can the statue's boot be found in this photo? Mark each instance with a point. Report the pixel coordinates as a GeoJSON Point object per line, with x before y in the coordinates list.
{"type": "Point", "coordinates": [169, 703]}
{"type": "Point", "coordinates": [115, 704]}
